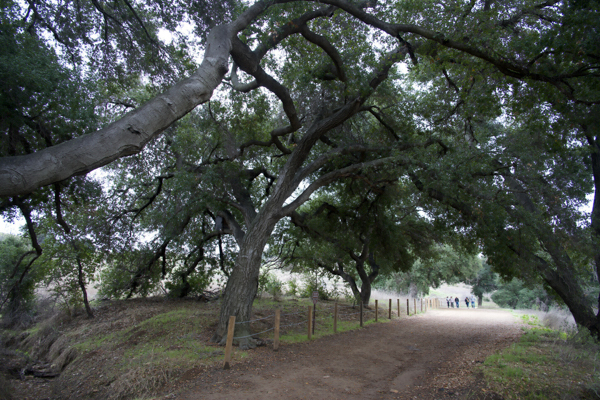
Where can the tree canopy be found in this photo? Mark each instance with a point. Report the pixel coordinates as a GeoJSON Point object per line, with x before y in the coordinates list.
{"type": "Point", "coordinates": [485, 111]}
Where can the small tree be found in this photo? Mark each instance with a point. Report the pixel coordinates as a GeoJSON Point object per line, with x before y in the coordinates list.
{"type": "Point", "coordinates": [485, 282]}
{"type": "Point", "coordinates": [516, 294]}
{"type": "Point", "coordinates": [443, 264]}
{"type": "Point", "coordinates": [17, 287]}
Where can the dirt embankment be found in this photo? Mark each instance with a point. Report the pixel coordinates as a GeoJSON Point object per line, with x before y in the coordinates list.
{"type": "Point", "coordinates": [429, 356]}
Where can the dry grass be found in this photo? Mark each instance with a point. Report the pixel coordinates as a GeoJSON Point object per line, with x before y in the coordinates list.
{"type": "Point", "coordinates": [5, 389]}
{"type": "Point", "coordinates": [132, 348]}
{"type": "Point", "coordinates": [140, 381]}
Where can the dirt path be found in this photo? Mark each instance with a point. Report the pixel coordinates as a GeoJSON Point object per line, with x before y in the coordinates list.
{"type": "Point", "coordinates": [429, 356]}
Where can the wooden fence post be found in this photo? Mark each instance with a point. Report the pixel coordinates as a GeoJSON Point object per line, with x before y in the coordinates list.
{"type": "Point", "coordinates": [335, 317]}
{"type": "Point", "coordinates": [229, 342]}
{"type": "Point", "coordinates": [421, 304]}
{"type": "Point", "coordinates": [390, 310]}
{"type": "Point", "coordinates": [276, 335]}
{"type": "Point", "coordinates": [407, 308]}
{"type": "Point", "coordinates": [310, 311]}
{"type": "Point", "coordinates": [398, 308]}
{"type": "Point", "coordinates": [376, 309]}
{"type": "Point", "coordinates": [415, 303]}
{"type": "Point", "coordinates": [361, 314]}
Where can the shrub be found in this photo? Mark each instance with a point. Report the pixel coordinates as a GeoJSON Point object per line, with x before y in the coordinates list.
{"type": "Point", "coordinates": [269, 283]}
{"type": "Point", "coordinates": [310, 286]}
{"type": "Point", "coordinates": [293, 289]}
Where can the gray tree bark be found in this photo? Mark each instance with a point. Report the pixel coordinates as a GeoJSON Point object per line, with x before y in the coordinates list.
{"type": "Point", "coordinates": [128, 135]}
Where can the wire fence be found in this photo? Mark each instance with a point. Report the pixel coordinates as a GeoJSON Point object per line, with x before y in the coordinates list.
{"type": "Point", "coordinates": [330, 316]}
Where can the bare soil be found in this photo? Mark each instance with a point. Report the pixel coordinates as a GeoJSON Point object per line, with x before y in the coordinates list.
{"type": "Point", "coordinates": [427, 356]}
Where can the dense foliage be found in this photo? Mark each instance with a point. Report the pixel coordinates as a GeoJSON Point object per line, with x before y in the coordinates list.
{"type": "Point", "coordinates": [515, 294]}
{"type": "Point", "coordinates": [17, 287]}
{"type": "Point", "coordinates": [478, 120]}
{"type": "Point", "coordinates": [444, 265]}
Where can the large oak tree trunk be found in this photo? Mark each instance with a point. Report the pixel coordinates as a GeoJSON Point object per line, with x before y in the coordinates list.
{"type": "Point", "coordinates": [242, 284]}
{"type": "Point", "coordinates": [570, 291]}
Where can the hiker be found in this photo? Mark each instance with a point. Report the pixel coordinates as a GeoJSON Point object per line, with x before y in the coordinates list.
{"type": "Point", "coordinates": [457, 301]}
{"type": "Point", "coordinates": [467, 301]}
{"type": "Point", "coordinates": [448, 301]}
{"type": "Point", "coordinates": [473, 301]}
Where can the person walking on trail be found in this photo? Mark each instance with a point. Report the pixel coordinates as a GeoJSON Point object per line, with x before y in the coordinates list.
{"type": "Point", "coordinates": [457, 301]}
{"type": "Point", "coordinates": [472, 301]}
{"type": "Point", "coordinates": [467, 301]}
{"type": "Point", "coordinates": [451, 302]}
{"type": "Point", "coordinates": [448, 301]}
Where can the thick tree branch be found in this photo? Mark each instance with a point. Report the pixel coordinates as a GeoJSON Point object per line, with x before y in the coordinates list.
{"type": "Point", "coordinates": [129, 134]}
{"type": "Point", "coordinates": [335, 175]}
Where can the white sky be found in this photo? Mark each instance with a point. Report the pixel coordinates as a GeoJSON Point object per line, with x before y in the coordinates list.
{"type": "Point", "coordinates": [12, 228]}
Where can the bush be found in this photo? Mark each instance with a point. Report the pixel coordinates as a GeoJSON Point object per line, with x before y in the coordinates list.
{"type": "Point", "coordinates": [269, 283]}
{"type": "Point", "coordinates": [187, 285]}
{"type": "Point", "coordinates": [515, 294]}
{"type": "Point", "coordinates": [18, 297]}
{"type": "Point", "coordinates": [293, 289]}
{"type": "Point", "coordinates": [310, 286]}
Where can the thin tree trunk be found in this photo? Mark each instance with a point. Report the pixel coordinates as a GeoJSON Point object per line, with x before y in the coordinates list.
{"type": "Point", "coordinates": [81, 281]}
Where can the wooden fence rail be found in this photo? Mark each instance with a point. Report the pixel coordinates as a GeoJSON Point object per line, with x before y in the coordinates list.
{"type": "Point", "coordinates": [429, 303]}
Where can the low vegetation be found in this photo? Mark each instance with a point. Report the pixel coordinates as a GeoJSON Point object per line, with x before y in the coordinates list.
{"type": "Point", "coordinates": [546, 364]}
{"type": "Point", "coordinates": [133, 348]}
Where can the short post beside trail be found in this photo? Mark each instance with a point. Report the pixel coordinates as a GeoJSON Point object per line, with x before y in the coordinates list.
{"type": "Point", "coordinates": [376, 309]}
{"type": "Point", "coordinates": [335, 317]}
{"type": "Point", "coordinates": [229, 342]}
{"type": "Point", "coordinates": [407, 308]}
{"type": "Point", "coordinates": [276, 330]}
{"type": "Point", "coordinates": [390, 310]}
{"type": "Point", "coordinates": [415, 302]}
{"type": "Point", "coordinates": [315, 298]}
{"type": "Point", "coordinates": [310, 311]}
{"type": "Point", "coordinates": [398, 308]}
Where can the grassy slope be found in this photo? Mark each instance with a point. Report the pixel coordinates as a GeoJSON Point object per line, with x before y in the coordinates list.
{"type": "Point", "coordinates": [546, 364]}
{"type": "Point", "coordinates": [132, 348]}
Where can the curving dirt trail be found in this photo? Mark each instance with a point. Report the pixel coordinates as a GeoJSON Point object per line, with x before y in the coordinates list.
{"type": "Point", "coordinates": [428, 356]}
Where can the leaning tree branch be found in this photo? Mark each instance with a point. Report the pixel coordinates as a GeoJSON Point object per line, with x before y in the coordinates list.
{"type": "Point", "coordinates": [505, 66]}
{"type": "Point", "coordinates": [237, 85]}
{"type": "Point", "coordinates": [325, 158]}
{"type": "Point", "coordinates": [335, 175]}
{"type": "Point", "coordinates": [331, 51]}
{"type": "Point", "coordinates": [129, 134]}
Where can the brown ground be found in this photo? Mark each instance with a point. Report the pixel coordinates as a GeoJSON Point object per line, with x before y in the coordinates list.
{"type": "Point", "coordinates": [428, 356]}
